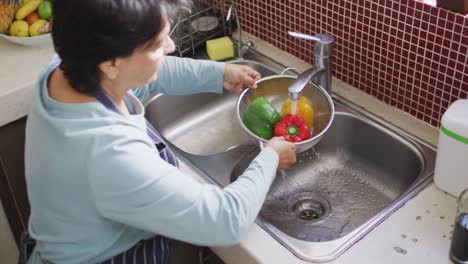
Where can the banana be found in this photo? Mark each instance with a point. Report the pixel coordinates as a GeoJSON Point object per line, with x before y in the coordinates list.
{"type": "Point", "coordinates": [27, 8]}
{"type": "Point", "coordinates": [46, 28]}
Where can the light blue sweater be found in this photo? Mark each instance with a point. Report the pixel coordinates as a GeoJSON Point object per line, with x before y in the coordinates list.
{"type": "Point", "coordinates": [97, 185]}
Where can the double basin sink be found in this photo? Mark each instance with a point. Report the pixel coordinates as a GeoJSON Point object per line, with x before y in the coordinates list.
{"type": "Point", "coordinates": [361, 171]}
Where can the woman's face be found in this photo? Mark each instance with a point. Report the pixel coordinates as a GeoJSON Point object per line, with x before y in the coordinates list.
{"type": "Point", "coordinates": [143, 65]}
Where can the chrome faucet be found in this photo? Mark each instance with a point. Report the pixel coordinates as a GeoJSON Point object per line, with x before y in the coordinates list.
{"type": "Point", "coordinates": [242, 47]}
{"type": "Point", "coordinates": [322, 65]}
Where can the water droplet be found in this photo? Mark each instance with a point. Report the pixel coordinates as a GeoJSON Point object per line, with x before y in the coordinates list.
{"type": "Point", "coordinates": [400, 250]}
{"type": "Point", "coordinates": [403, 236]}
{"type": "Point", "coordinates": [418, 217]}
{"type": "Point", "coordinates": [415, 240]}
{"type": "Point", "coordinates": [442, 217]}
{"type": "Point", "coordinates": [444, 236]}
{"type": "Point", "coordinates": [428, 212]}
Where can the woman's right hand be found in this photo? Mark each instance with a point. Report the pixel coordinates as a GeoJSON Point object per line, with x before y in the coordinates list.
{"type": "Point", "coordinates": [286, 151]}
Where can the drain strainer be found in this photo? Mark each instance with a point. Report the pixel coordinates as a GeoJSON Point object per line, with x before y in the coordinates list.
{"type": "Point", "coordinates": [308, 207]}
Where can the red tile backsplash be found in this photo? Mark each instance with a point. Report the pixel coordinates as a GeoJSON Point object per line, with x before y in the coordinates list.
{"type": "Point", "coordinates": [406, 53]}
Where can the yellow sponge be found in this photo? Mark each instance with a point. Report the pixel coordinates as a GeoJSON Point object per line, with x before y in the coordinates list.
{"type": "Point", "coordinates": [220, 48]}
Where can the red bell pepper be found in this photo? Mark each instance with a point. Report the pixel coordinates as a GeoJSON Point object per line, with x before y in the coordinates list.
{"type": "Point", "coordinates": [292, 128]}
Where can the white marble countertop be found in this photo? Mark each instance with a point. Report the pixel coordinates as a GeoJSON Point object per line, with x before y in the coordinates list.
{"type": "Point", "coordinates": [19, 68]}
{"type": "Point", "coordinates": [421, 227]}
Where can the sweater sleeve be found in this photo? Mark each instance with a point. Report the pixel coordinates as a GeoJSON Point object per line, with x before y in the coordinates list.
{"type": "Point", "coordinates": [131, 184]}
{"type": "Point", "coordinates": [185, 76]}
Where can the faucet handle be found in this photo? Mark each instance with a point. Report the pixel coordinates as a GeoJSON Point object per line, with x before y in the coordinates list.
{"type": "Point", "coordinates": [323, 45]}
{"type": "Point", "coordinates": [249, 43]}
{"type": "Point", "coordinates": [244, 47]}
{"type": "Point", "coordinates": [322, 57]}
{"type": "Point", "coordinates": [322, 38]}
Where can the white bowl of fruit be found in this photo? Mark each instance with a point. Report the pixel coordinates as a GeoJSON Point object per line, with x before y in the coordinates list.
{"type": "Point", "coordinates": [26, 22]}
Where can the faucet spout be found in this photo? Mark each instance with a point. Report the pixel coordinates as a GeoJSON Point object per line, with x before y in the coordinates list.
{"type": "Point", "coordinates": [295, 89]}
{"type": "Point", "coordinates": [322, 64]}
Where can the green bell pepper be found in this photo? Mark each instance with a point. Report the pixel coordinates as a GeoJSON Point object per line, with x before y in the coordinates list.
{"type": "Point", "coordinates": [260, 117]}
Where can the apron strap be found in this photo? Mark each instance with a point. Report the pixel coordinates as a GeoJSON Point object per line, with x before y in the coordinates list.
{"type": "Point", "coordinates": [109, 104]}
{"type": "Point", "coordinates": [164, 151]}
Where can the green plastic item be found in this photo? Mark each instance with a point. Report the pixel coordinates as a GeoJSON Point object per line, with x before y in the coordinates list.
{"type": "Point", "coordinates": [260, 117]}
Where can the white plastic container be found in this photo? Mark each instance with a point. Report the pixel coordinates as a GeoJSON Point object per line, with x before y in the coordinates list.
{"type": "Point", "coordinates": [451, 169]}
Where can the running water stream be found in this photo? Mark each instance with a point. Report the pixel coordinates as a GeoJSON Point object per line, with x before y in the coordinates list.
{"type": "Point", "coordinates": [293, 106]}
{"type": "Point", "coordinates": [283, 172]}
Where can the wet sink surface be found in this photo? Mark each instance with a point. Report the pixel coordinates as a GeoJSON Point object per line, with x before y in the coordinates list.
{"type": "Point", "coordinates": [204, 117]}
{"type": "Point", "coordinates": [357, 175]}
{"type": "Point", "coordinates": [340, 183]}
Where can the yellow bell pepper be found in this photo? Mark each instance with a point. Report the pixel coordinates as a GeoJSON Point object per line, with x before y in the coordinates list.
{"type": "Point", "coordinates": [303, 108]}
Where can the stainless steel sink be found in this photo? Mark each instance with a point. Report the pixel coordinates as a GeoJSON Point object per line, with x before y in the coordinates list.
{"type": "Point", "coordinates": [359, 173]}
{"type": "Point", "coordinates": [208, 118]}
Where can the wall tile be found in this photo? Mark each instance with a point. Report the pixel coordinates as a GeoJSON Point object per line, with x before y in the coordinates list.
{"type": "Point", "coordinates": [406, 53]}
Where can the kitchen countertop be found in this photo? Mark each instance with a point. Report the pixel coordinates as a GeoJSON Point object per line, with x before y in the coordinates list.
{"type": "Point", "coordinates": [422, 227]}
{"type": "Point", "coordinates": [20, 66]}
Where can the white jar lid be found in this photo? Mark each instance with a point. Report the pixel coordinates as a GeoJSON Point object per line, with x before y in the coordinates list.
{"type": "Point", "coordinates": [455, 121]}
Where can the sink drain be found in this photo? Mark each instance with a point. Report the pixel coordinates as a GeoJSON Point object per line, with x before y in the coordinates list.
{"type": "Point", "coordinates": [308, 210]}
{"type": "Point", "coordinates": [308, 207]}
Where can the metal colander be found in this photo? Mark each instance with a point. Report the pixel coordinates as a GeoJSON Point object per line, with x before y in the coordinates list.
{"type": "Point", "coordinates": [275, 90]}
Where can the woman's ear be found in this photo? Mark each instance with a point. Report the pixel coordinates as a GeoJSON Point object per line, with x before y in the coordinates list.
{"type": "Point", "coordinates": [110, 68]}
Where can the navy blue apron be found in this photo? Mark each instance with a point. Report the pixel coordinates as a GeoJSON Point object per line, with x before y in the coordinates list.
{"type": "Point", "coordinates": [154, 250]}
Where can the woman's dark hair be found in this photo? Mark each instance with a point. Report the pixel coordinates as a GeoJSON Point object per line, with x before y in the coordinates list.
{"type": "Point", "coordinates": [89, 32]}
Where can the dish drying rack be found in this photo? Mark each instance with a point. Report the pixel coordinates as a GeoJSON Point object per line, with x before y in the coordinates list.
{"type": "Point", "coordinates": [191, 30]}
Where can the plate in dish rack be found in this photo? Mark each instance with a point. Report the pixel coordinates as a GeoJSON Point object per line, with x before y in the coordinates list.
{"type": "Point", "coordinates": [205, 23]}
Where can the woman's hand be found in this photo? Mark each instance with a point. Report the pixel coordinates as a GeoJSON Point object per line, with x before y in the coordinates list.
{"type": "Point", "coordinates": [238, 77]}
{"type": "Point", "coordinates": [286, 151]}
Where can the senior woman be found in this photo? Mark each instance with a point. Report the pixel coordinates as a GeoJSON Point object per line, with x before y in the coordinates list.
{"type": "Point", "coordinates": [103, 186]}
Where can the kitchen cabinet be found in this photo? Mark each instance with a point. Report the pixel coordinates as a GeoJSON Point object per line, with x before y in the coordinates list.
{"type": "Point", "coordinates": [12, 180]}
